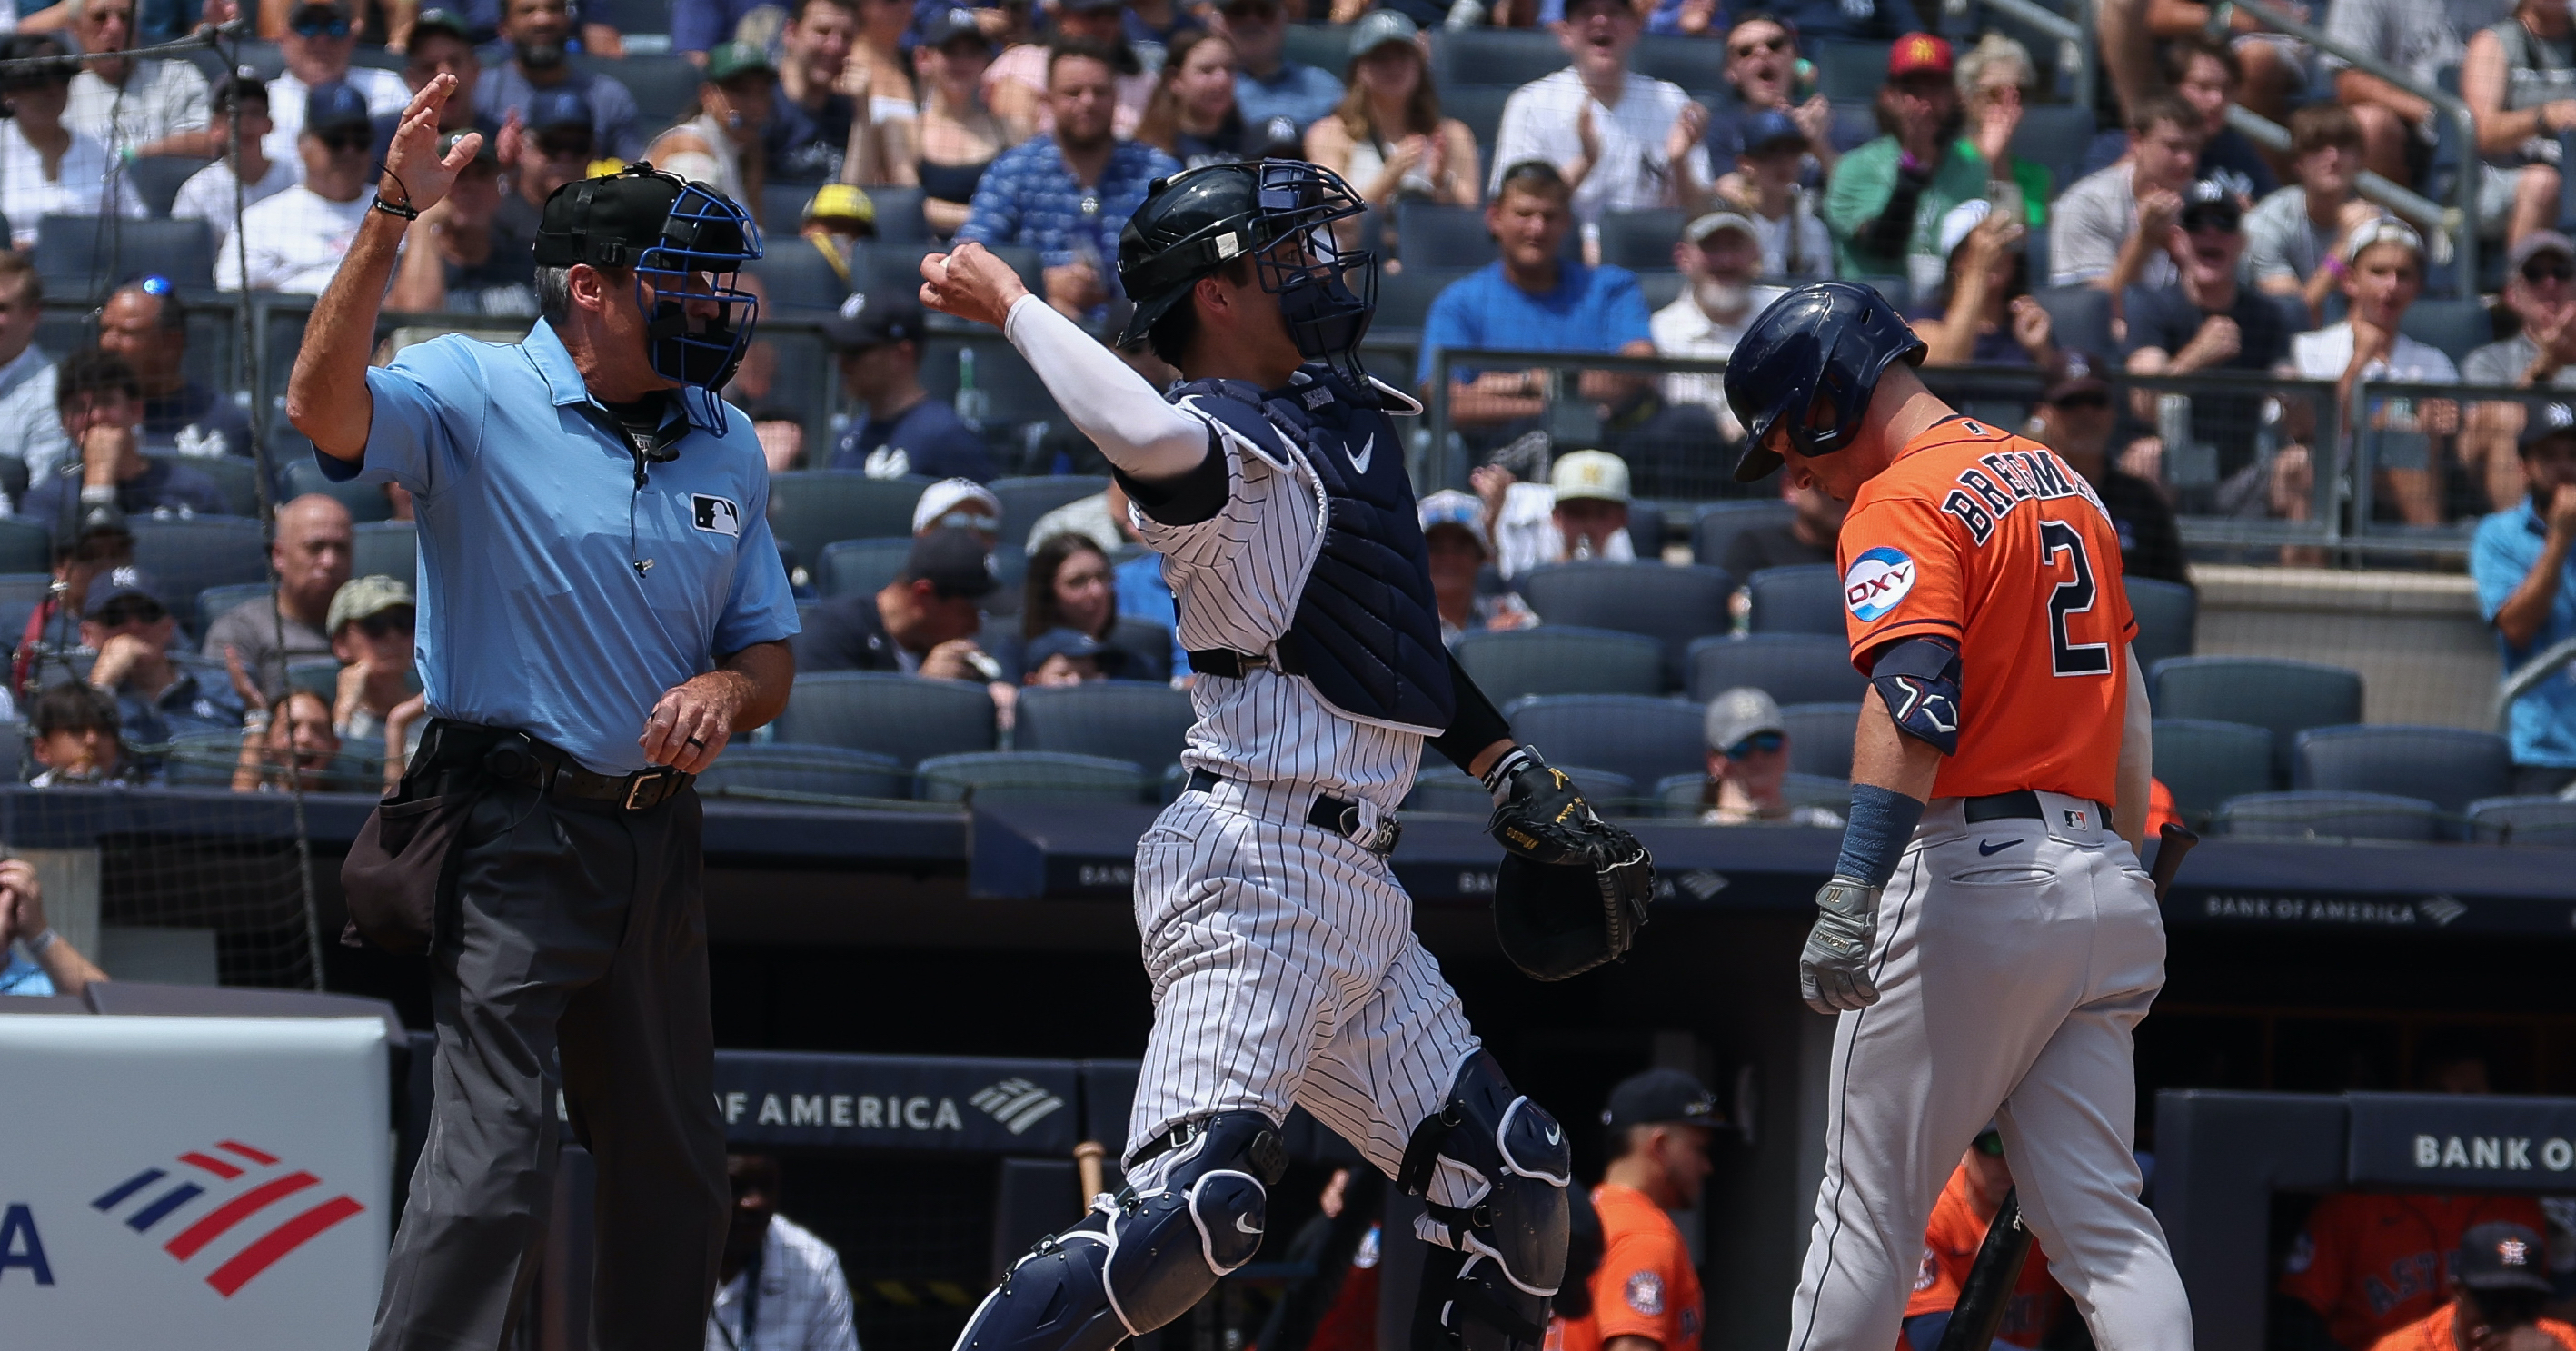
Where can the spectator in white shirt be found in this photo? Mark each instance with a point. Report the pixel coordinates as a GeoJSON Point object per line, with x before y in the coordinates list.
{"type": "Point", "coordinates": [1579, 514]}
{"type": "Point", "coordinates": [296, 239]}
{"type": "Point", "coordinates": [1625, 141]}
{"type": "Point", "coordinates": [2109, 230]}
{"type": "Point", "coordinates": [1719, 256]}
{"type": "Point", "coordinates": [208, 193]}
{"type": "Point", "coordinates": [46, 168]}
{"type": "Point", "coordinates": [145, 107]}
{"type": "Point", "coordinates": [778, 1287]}
{"type": "Point", "coordinates": [320, 39]}
{"type": "Point", "coordinates": [30, 433]}
{"type": "Point", "coordinates": [2385, 262]}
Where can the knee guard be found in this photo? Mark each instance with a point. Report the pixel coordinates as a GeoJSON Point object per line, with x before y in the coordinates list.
{"type": "Point", "coordinates": [1139, 1260]}
{"type": "Point", "coordinates": [1493, 1168]}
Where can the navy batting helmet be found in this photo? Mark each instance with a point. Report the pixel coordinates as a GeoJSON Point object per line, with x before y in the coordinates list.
{"type": "Point", "coordinates": [1808, 365]}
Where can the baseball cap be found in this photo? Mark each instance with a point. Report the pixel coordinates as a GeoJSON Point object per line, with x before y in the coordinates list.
{"type": "Point", "coordinates": [2536, 243]}
{"type": "Point", "coordinates": [483, 153]}
{"type": "Point", "coordinates": [842, 201]}
{"type": "Point", "coordinates": [2075, 372]}
{"type": "Point", "coordinates": [335, 107]}
{"type": "Point", "coordinates": [2546, 421]}
{"type": "Point", "coordinates": [2211, 203]}
{"type": "Point", "coordinates": [1379, 27]}
{"type": "Point", "coordinates": [953, 562]}
{"type": "Point", "coordinates": [1454, 508]}
{"type": "Point", "coordinates": [1702, 227]}
{"type": "Point", "coordinates": [1962, 220]}
{"type": "Point", "coordinates": [729, 59]}
{"type": "Point", "coordinates": [308, 19]}
{"type": "Point", "coordinates": [958, 504]}
{"type": "Point", "coordinates": [446, 21]}
{"type": "Point", "coordinates": [1739, 713]}
{"type": "Point", "coordinates": [2500, 1256]}
{"type": "Point", "coordinates": [1090, 6]}
{"type": "Point", "coordinates": [1594, 474]}
{"type": "Point", "coordinates": [365, 597]}
{"type": "Point", "coordinates": [557, 109]}
{"type": "Point", "coordinates": [1918, 54]}
{"type": "Point", "coordinates": [120, 583]}
{"type": "Point", "coordinates": [952, 25]}
{"type": "Point", "coordinates": [2385, 230]}
{"type": "Point", "coordinates": [1660, 1097]}
{"type": "Point", "coordinates": [1769, 128]}
{"type": "Point", "coordinates": [864, 321]}
{"type": "Point", "coordinates": [1072, 643]}
{"type": "Point", "coordinates": [233, 89]}
{"type": "Point", "coordinates": [613, 221]}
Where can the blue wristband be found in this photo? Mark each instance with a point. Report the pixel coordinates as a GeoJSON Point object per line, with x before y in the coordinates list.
{"type": "Point", "coordinates": [1882, 820]}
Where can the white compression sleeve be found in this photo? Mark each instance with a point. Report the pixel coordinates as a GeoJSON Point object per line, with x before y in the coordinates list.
{"type": "Point", "coordinates": [1122, 414]}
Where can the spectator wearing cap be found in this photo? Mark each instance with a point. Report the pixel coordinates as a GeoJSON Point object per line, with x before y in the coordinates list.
{"type": "Point", "coordinates": [1762, 78]}
{"type": "Point", "coordinates": [100, 405]}
{"type": "Point", "coordinates": [1622, 140]}
{"type": "Point", "coordinates": [2520, 560]}
{"type": "Point", "coordinates": [319, 41]}
{"type": "Point", "coordinates": [134, 107]}
{"type": "Point", "coordinates": [1069, 657]}
{"type": "Point", "coordinates": [959, 137]}
{"type": "Point", "coordinates": [1532, 297]}
{"type": "Point", "coordinates": [462, 256]}
{"type": "Point", "coordinates": [1995, 79]}
{"type": "Point", "coordinates": [1192, 116]}
{"type": "Point", "coordinates": [310, 556]}
{"type": "Point", "coordinates": [2294, 238]}
{"type": "Point", "coordinates": [1982, 312]}
{"type": "Point", "coordinates": [1069, 587]}
{"type": "Point", "coordinates": [99, 542]}
{"type": "Point", "coordinates": [1748, 766]}
{"type": "Point", "coordinates": [902, 430]}
{"type": "Point", "coordinates": [126, 622]}
{"type": "Point", "coordinates": [1017, 84]}
{"type": "Point", "coordinates": [1719, 256]}
{"type": "Point", "coordinates": [1580, 513]}
{"type": "Point", "coordinates": [1645, 1292]}
{"type": "Point", "coordinates": [1069, 192]}
{"type": "Point", "coordinates": [2206, 320]}
{"type": "Point", "coordinates": [378, 696]}
{"type": "Point", "coordinates": [1765, 190]}
{"type": "Point", "coordinates": [1387, 138]}
{"type": "Point", "coordinates": [2384, 264]}
{"type": "Point", "coordinates": [553, 145]}
{"type": "Point", "coordinates": [2075, 419]}
{"type": "Point", "coordinates": [2499, 1281]}
{"type": "Point", "coordinates": [30, 431]}
{"type": "Point", "coordinates": [295, 240]}
{"type": "Point", "coordinates": [1453, 531]}
{"type": "Point", "coordinates": [809, 121]}
{"type": "Point", "coordinates": [441, 43]}
{"type": "Point", "coordinates": [2111, 227]}
{"type": "Point", "coordinates": [721, 141]}
{"type": "Point", "coordinates": [959, 504]}
{"type": "Point", "coordinates": [922, 623]}
{"type": "Point", "coordinates": [241, 108]}
{"type": "Point", "coordinates": [1871, 201]}
{"type": "Point", "coordinates": [144, 325]}
{"type": "Point", "coordinates": [2035, 1309]}
{"type": "Point", "coordinates": [537, 32]}
{"type": "Point", "coordinates": [1267, 84]}
{"type": "Point", "coordinates": [837, 219]}
{"type": "Point", "coordinates": [2516, 80]}
{"type": "Point", "coordinates": [46, 167]}
{"type": "Point", "coordinates": [2541, 354]}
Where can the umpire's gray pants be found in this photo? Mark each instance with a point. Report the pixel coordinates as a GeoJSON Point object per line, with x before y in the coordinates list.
{"type": "Point", "coordinates": [576, 930]}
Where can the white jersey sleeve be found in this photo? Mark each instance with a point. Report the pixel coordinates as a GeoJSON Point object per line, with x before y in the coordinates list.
{"type": "Point", "coordinates": [1105, 398]}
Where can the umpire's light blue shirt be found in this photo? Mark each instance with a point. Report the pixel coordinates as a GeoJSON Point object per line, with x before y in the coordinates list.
{"type": "Point", "coordinates": [2505, 549]}
{"type": "Point", "coordinates": [531, 613]}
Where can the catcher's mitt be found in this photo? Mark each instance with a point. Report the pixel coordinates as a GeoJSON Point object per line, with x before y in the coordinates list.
{"type": "Point", "coordinates": [1573, 888]}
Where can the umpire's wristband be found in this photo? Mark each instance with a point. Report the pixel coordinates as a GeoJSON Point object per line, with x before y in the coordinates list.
{"type": "Point", "coordinates": [1881, 823]}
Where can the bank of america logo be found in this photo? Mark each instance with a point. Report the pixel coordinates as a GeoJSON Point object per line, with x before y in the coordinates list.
{"type": "Point", "coordinates": [1016, 1103]}
{"type": "Point", "coordinates": [238, 1182]}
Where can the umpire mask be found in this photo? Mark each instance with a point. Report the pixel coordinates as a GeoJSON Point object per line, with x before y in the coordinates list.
{"type": "Point", "coordinates": [688, 240]}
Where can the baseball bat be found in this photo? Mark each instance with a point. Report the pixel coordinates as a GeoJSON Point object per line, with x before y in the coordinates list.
{"type": "Point", "coordinates": [1090, 1160]}
{"type": "Point", "coordinates": [2173, 842]}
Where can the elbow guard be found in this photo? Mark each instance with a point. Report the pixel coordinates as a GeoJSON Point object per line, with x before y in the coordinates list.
{"type": "Point", "coordinates": [1918, 679]}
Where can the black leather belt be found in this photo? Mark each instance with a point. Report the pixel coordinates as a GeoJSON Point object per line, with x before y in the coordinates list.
{"type": "Point", "coordinates": [1220, 661]}
{"type": "Point", "coordinates": [513, 756]}
{"type": "Point", "coordinates": [1341, 816]}
{"type": "Point", "coordinates": [2021, 804]}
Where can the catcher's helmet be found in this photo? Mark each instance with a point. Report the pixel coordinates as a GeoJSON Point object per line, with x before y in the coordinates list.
{"type": "Point", "coordinates": [1197, 221]}
{"type": "Point", "coordinates": [1808, 365]}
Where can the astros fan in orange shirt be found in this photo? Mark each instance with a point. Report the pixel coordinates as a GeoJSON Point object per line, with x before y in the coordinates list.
{"type": "Point", "coordinates": [1988, 940]}
{"type": "Point", "coordinates": [1645, 1293]}
{"type": "Point", "coordinates": [1959, 1222]}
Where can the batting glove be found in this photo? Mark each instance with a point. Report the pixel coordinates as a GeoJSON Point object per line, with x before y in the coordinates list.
{"type": "Point", "coordinates": [1833, 971]}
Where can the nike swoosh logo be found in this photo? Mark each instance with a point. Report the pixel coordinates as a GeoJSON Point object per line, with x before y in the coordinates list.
{"type": "Point", "coordinates": [1367, 451]}
{"type": "Point", "coordinates": [1555, 1136]}
{"type": "Point", "coordinates": [1243, 1228]}
{"type": "Point", "coordinates": [1990, 850]}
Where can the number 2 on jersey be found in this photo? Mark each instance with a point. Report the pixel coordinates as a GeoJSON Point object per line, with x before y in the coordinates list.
{"type": "Point", "coordinates": [2071, 597]}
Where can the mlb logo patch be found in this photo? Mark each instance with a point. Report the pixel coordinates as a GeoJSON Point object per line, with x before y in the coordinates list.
{"type": "Point", "coordinates": [2077, 820]}
{"type": "Point", "coordinates": [715, 515]}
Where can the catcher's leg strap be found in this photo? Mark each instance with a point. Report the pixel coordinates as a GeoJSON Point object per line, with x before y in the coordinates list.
{"type": "Point", "coordinates": [1140, 1259]}
{"type": "Point", "coordinates": [1493, 1168]}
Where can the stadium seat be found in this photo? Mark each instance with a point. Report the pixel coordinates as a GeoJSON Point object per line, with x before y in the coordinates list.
{"type": "Point", "coordinates": [1686, 61]}
{"type": "Point", "coordinates": [1803, 599]}
{"type": "Point", "coordinates": [903, 716]}
{"type": "Point", "coordinates": [215, 602]}
{"type": "Point", "coordinates": [1404, 298]}
{"type": "Point", "coordinates": [20, 594]}
{"type": "Point", "coordinates": [2166, 613]}
{"type": "Point", "coordinates": [1455, 235]}
{"type": "Point", "coordinates": [2204, 763]}
{"type": "Point", "coordinates": [366, 501]}
{"type": "Point", "coordinates": [200, 551]}
{"type": "Point", "coordinates": [794, 275]}
{"type": "Point", "coordinates": [663, 85]}
{"type": "Point", "coordinates": [1646, 530]}
{"type": "Point", "coordinates": [899, 218]}
{"type": "Point", "coordinates": [13, 471]}
{"type": "Point", "coordinates": [1495, 58]}
{"type": "Point", "coordinates": [386, 548]}
{"type": "Point", "coordinates": [859, 567]}
{"type": "Point", "coordinates": [1720, 522]}
{"type": "Point", "coordinates": [2054, 136]}
{"type": "Point", "coordinates": [1660, 286]}
{"type": "Point", "coordinates": [1793, 668]}
{"type": "Point", "coordinates": [1851, 70]}
{"type": "Point", "coordinates": [2330, 816]}
{"type": "Point", "coordinates": [1024, 500]}
{"type": "Point", "coordinates": [1508, 664]}
{"type": "Point", "coordinates": [1481, 109]}
{"type": "Point", "coordinates": [315, 675]}
{"type": "Point", "coordinates": [83, 257]}
{"type": "Point", "coordinates": [2282, 697]}
{"type": "Point", "coordinates": [157, 179]}
{"type": "Point", "coordinates": [1640, 240]}
{"type": "Point", "coordinates": [1326, 46]}
{"type": "Point", "coordinates": [25, 546]}
{"type": "Point", "coordinates": [2445, 765]}
{"type": "Point", "coordinates": [2079, 316]}
{"type": "Point", "coordinates": [201, 759]}
{"type": "Point", "coordinates": [1025, 778]}
{"type": "Point", "coordinates": [2454, 326]}
{"type": "Point", "coordinates": [2523, 820]}
{"type": "Point", "coordinates": [1443, 787]}
{"type": "Point", "coordinates": [793, 773]}
{"type": "Point", "coordinates": [237, 478]}
{"type": "Point", "coordinates": [1820, 738]}
{"type": "Point", "coordinates": [1672, 605]}
{"type": "Point", "coordinates": [1134, 720]}
{"type": "Point", "coordinates": [1638, 738]}
{"type": "Point", "coordinates": [811, 508]}
{"type": "Point", "coordinates": [1609, 792]}
{"type": "Point", "coordinates": [1012, 392]}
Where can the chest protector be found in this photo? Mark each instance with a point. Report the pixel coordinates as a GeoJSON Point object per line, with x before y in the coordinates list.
{"type": "Point", "coordinates": [1366, 631]}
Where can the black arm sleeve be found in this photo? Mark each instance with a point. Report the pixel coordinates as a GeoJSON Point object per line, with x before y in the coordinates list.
{"type": "Point", "coordinates": [1186, 499]}
{"type": "Point", "coordinates": [1476, 724]}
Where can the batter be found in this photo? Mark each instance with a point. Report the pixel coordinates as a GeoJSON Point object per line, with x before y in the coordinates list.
{"type": "Point", "coordinates": [1988, 938]}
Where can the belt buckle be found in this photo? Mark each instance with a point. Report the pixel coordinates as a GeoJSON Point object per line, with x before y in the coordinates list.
{"type": "Point", "coordinates": [636, 789]}
{"type": "Point", "coordinates": [1380, 841]}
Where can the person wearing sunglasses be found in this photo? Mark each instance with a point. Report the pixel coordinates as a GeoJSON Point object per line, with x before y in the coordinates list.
{"type": "Point", "coordinates": [538, 34]}
{"type": "Point", "coordinates": [295, 240]}
{"type": "Point", "coordinates": [2075, 419]}
{"type": "Point", "coordinates": [1958, 1228]}
{"type": "Point", "coordinates": [1765, 75]}
{"type": "Point", "coordinates": [371, 633]}
{"type": "Point", "coordinates": [46, 167]}
{"type": "Point", "coordinates": [2540, 289]}
{"type": "Point", "coordinates": [1748, 766]}
{"type": "Point", "coordinates": [158, 695]}
{"type": "Point", "coordinates": [2206, 319]}
{"type": "Point", "coordinates": [319, 42]}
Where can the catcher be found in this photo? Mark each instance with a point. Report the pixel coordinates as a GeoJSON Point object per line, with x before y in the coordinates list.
{"type": "Point", "coordinates": [1285, 969]}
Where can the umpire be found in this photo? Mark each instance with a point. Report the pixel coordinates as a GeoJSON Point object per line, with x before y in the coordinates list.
{"type": "Point", "coordinates": [601, 606]}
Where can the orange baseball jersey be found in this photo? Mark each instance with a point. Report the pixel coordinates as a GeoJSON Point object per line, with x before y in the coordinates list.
{"type": "Point", "coordinates": [2369, 1264]}
{"type": "Point", "coordinates": [1978, 536]}
{"type": "Point", "coordinates": [1645, 1285]}
{"type": "Point", "coordinates": [1950, 1245]}
{"type": "Point", "coordinates": [2435, 1332]}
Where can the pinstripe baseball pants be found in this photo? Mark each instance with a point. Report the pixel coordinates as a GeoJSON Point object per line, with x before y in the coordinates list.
{"type": "Point", "coordinates": [1286, 973]}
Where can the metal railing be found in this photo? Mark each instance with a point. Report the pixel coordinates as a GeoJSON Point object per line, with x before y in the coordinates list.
{"type": "Point", "coordinates": [2529, 676]}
